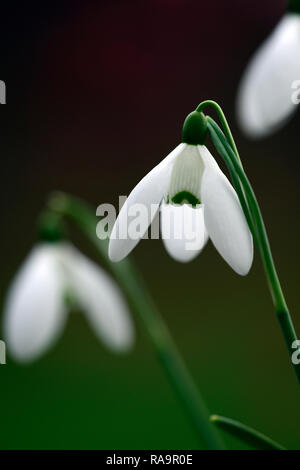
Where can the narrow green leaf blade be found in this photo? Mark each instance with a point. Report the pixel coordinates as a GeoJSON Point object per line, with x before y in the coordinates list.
{"type": "Point", "coordinates": [245, 433]}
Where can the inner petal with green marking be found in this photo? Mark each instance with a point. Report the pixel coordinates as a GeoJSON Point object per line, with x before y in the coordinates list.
{"type": "Point", "coordinates": [186, 177]}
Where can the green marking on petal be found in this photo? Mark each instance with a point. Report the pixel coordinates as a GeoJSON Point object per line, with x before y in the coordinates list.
{"type": "Point", "coordinates": [185, 181]}
{"type": "Point", "coordinates": [185, 197]}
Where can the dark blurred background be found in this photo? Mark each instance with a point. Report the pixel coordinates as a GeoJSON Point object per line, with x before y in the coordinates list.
{"type": "Point", "coordinates": [96, 96]}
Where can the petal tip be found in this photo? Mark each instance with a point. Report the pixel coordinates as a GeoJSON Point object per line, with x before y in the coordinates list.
{"type": "Point", "coordinates": [245, 265]}
{"type": "Point", "coordinates": [113, 253]}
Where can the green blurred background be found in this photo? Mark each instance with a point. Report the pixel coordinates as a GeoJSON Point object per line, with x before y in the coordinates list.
{"type": "Point", "coordinates": [97, 93]}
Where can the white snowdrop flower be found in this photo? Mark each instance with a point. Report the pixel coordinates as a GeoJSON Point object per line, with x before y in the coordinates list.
{"type": "Point", "coordinates": [36, 308]}
{"type": "Point", "coordinates": [266, 96]}
{"type": "Point", "coordinates": [189, 182]}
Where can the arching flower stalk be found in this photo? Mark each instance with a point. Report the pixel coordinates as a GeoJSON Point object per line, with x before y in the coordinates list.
{"type": "Point", "coordinates": [227, 149]}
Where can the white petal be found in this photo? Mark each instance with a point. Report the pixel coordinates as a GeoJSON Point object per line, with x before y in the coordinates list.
{"type": "Point", "coordinates": [149, 191]}
{"type": "Point", "coordinates": [183, 231]}
{"type": "Point", "coordinates": [34, 313]}
{"type": "Point", "coordinates": [224, 217]}
{"type": "Point", "coordinates": [265, 95]}
{"type": "Point", "coordinates": [101, 300]}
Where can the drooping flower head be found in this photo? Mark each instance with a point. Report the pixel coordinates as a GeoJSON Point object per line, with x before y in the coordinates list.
{"type": "Point", "coordinates": [265, 97]}
{"type": "Point", "coordinates": [38, 300]}
{"type": "Point", "coordinates": [189, 186]}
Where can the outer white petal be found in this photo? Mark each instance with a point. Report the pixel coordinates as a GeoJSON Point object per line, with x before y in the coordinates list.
{"type": "Point", "coordinates": [34, 313]}
{"type": "Point", "coordinates": [183, 231]}
{"type": "Point", "coordinates": [265, 95]}
{"type": "Point", "coordinates": [101, 300]}
{"type": "Point", "coordinates": [150, 190]}
{"type": "Point", "coordinates": [224, 217]}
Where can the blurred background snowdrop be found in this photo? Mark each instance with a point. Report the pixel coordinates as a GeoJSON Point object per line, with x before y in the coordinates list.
{"type": "Point", "coordinates": [54, 277]}
{"type": "Point", "coordinates": [265, 96]}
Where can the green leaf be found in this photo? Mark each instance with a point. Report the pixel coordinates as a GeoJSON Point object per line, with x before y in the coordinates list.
{"type": "Point", "coordinates": [245, 433]}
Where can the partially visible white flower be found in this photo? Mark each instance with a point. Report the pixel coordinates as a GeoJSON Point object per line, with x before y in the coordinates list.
{"type": "Point", "coordinates": [36, 309]}
{"type": "Point", "coordinates": [264, 100]}
{"type": "Point", "coordinates": [189, 175]}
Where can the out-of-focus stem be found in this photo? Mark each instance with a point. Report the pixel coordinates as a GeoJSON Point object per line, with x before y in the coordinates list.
{"type": "Point", "coordinates": [245, 433]}
{"type": "Point", "coordinates": [132, 284]}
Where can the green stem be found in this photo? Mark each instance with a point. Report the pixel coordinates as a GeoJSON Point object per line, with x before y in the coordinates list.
{"type": "Point", "coordinates": [235, 179]}
{"type": "Point", "coordinates": [131, 282]}
{"type": "Point", "coordinates": [245, 433]}
{"type": "Point", "coordinates": [225, 125]}
{"type": "Point", "coordinates": [283, 316]}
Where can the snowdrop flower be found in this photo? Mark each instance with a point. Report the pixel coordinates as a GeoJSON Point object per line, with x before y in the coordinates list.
{"type": "Point", "coordinates": [36, 308]}
{"type": "Point", "coordinates": [189, 182]}
{"type": "Point", "coordinates": [267, 95]}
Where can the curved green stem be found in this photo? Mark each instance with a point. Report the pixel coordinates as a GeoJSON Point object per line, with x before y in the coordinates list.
{"type": "Point", "coordinates": [249, 435]}
{"type": "Point", "coordinates": [235, 179]}
{"type": "Point", "coordinates": [131, 282]}
{"type": "Point", "coordinates": [284, 318]}
{"type": "Point", "coordinates": [225, 125]}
